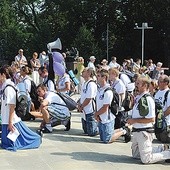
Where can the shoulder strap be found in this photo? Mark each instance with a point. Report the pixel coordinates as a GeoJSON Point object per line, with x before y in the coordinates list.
{"type": "Point", "coordinates": [166, 97]}
{"type": "Point", "coordinates": [89, 82]}
{"type": "Point", "coordinates": [146, 95]}
{"type": "Point", "coordinates": [10, 86]}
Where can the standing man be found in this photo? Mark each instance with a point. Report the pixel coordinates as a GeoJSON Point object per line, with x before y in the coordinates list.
{"type": "Point", "coordinates": [87, 103]}
{"type": "Point", "coordinates": [143, 117]}
{"type": "Point", "coordinates": [91, 63]}
{"type": "Point", "coordinates": [113, 63]}
{"type": "Point", "coordinates": [21, 59]}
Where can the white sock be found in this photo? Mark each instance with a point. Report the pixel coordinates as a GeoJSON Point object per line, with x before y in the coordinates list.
{"type": "Point", "coordinates": [124, 132]}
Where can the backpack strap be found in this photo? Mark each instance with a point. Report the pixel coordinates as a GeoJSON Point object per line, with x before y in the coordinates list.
{"type": "Point", "coordinates": [89, 82]}
{"type": "Point", "coordinates": [93, 100]}
{"type": "Point", "coordinates": [166, 96]}
{"type": "Point", "coordinates": [108, 88]}
{"type": "Point", "coordinates": [9, 85]}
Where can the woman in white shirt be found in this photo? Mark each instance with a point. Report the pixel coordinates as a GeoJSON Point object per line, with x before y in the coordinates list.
{"type": "Point", "coordinates": [26, 138]}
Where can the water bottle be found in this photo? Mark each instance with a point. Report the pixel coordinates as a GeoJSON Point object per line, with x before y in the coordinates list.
{"type": "Point", "coordinates": [159, 120]}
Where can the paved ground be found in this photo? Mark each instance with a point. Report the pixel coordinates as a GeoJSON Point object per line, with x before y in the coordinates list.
{"type": "Point", "coordinates": [74, 151]}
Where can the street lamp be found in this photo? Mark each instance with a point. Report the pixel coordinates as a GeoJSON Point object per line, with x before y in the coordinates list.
{"type": "Point", "coordinates": [105, 37]}
{"type": "Point", "coordinates": [144, 26]}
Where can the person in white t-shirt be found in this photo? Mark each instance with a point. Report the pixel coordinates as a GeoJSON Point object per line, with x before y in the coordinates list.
{"type": "Point", "coordinates": [91, 63]}
{"type": "Point", "coordinates": [51, 107]}
{"type": "Point", "coordinates": [63, 84]}
{"type": "Point", "coordinates": [87, 104]}
{"type": "Point", "coordinates": [163, 83]}
{"type": "Point", "coordinates": [120, 88]}
{"type": "Point", "coordinates": [113, 63]}
{"type": "Point", "coordinates": [21, 59]}
{"type": "Point", "coordinates": [26, 139]}
{"type": "Point", "coordinates": [103, 114]}
{"type": "Point", "coordinates": [142, 130]}
{"type": "Point", "coordinates": [130, 86]}
{"type": "Point", "coordinates": [49, 82]}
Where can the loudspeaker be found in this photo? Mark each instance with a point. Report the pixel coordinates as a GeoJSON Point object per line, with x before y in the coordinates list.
{"type": "Point", "coordinates": [54, 45]}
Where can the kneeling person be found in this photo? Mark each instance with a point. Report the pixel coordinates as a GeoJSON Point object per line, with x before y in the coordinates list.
{"type": "Point", "coordinates": [52, 106]}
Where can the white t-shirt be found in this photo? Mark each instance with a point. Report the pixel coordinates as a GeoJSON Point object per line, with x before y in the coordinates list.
{"type": "Point", "coordinates": [23, 59]}
{"type": "Point", "coordinates": [114, 65]}
{"type": "Point", "coordinates": [62, 81]}
{"type": "Point", "coordinates": [102, 99]}
{"type": "Point", "coordinates": [49, 84]}
{"type": "Point", "coordinates": [160, 95]}
{"type": "Point", "coordinates": [91, 65]}
{"type": "Point", "coordinates": [151, 114]}
{"type": "Point", "coordinates": [27, 81]}
{"type": "Point", "coordinates": [119, 86]}
{"type": "Point", "coordinates": [52, 97]}
{"type": "Point", "coordinates": [8, 97]}
{"type": "Point", "coordinates": [127, 82]}
{"type": "Point", "coordinates": [89, 92]}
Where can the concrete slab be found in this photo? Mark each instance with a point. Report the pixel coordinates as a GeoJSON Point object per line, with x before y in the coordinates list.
{"type": "Point", "coordinates": [75, 151]}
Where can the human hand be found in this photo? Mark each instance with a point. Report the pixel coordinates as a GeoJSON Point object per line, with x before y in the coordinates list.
{"type": "Point", "coordinates": [11, 127]}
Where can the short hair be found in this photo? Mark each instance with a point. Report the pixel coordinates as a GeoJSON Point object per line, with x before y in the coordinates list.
{"type": "Point", "coordinates": [91, 71]}
{"type": "Point", "coordinates": [114, 71]}
{"type": "Point", "coordinates": [43, 69]}
{"type": "Point", "coordinates": [164, 78]}
{"type": "Point", "coordinates": [103, 73]}
{"type": "Point", "coordinates": [145, 80]}
{"type": "Point", "coordinates": [26, 70]}
{"type": "Point", "coordinates": [42, 86]}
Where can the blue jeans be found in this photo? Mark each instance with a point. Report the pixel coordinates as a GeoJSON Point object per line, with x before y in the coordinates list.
{"type": "Point", "coordinates": [106, 131]}
{"type": "Point", "coordinates": [90, 125]}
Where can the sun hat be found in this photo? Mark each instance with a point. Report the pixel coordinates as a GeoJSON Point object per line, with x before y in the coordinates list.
{"type": "Point", "coordinates": [92, 57]}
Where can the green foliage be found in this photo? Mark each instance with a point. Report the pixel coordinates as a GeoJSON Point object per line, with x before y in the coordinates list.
{"type": "Point", "coordinates": [31, 24]}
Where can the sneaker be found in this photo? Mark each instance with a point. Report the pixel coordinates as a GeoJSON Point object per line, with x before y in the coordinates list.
{"type": "Point", "coordinates": [166, 147]}
{"type": "Point", "coordinates": [127, 135]}
{"type": "Point", "coordinates": [167, 160]}
{"type": "Point", "coordinates": [68, 125]}
{"type": "Point", "coordinates": [45, 130]}
{"type": "Point", "coordinates": [39, 132]}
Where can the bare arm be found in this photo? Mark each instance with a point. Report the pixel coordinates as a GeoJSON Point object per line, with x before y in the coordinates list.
{"type": "Point", "coordinates": [11, 115]}
{"type": "Point", "coordinates": [102, 110]}
{"type": "Point", "coordinates": [167, 112]}
{"type": "Point", "coordinates": [85, 103]}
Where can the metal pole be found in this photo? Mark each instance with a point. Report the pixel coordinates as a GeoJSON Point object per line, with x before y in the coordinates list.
{"type": "Point", "coordinates": [144, 26]}
{"type": "Point", "coordinates": [143, 37]}
{"type": "Point", "coordinates": [107, 38]}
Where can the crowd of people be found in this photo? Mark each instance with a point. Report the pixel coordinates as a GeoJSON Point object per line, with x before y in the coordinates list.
{"type": "Point", "coordinates": [96, 84]}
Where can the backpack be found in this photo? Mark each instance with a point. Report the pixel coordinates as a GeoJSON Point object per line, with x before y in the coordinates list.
{"type": "Point", "coordinates": [70, 103]}
{"type": "Point", "coordinates": [143, 105]}
{"type": "Point", "coordinates": [21, 102]}
{"type": "Point", "coordinates": [160, 121]}
{"type": "Point", "coordinates": [34, 95]}
{"type": "Point", "coordinates": [114, 106]}
{"type": "Point", "coordinates": [128, 101]}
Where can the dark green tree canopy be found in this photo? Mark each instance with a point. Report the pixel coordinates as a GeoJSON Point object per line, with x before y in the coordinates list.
{"type": "Point", "coordinates": [31, 24]}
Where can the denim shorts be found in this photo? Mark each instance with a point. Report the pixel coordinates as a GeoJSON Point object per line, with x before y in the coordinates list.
{"type": "Point", "coordinates": [90, 125]}
{"type": "Point", "coordinates": [106, 131]}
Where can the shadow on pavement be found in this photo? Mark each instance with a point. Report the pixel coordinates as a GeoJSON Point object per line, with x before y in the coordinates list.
{"type": "Point", "coordinates": [99, 157]}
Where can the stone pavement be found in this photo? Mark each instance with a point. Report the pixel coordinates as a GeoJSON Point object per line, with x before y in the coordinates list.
{"type": "Point", "coordinates": [74, 151]}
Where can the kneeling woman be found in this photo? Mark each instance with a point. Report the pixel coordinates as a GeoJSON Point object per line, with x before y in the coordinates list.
{"type": "Point", "coordinates": [27, 139]}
